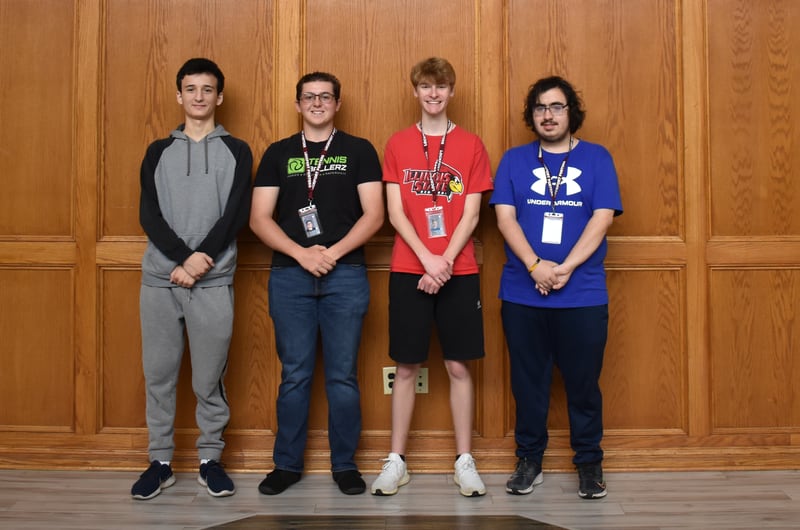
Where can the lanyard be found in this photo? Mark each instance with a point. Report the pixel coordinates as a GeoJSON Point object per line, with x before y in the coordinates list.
{"type": "Point", "coordinates": [311, 182]}
{"type": "Point", "coordinates": [438, 164]}
{"type": "Point", "coordinates": [559, 178]}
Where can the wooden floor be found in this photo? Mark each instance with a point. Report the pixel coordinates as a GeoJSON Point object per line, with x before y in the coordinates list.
{"type": "Point", "coordinates": [641, 501]}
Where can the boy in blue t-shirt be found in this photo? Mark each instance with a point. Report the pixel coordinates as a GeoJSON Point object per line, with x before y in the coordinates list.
{"type": "Point", "coordinates": [555, 199]}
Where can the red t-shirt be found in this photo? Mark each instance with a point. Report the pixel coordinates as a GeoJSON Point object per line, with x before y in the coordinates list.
{"type": "Point", "coordinates": [465, 169]}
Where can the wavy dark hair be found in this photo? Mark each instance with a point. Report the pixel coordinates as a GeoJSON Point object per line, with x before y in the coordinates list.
{"type": "Point", "coordinates": [319, 76]}
{"type": "Point", "coordinates": [575, 109]}
{"type": "Point", "coordinates": [201, 65]}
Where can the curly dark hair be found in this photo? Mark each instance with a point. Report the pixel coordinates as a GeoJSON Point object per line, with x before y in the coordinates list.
{"type": "Point", "coordinates": [574, 104]}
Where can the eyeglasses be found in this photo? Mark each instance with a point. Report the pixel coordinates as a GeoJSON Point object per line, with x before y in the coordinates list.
{"type": "Point", "coordinates": [556, 108]}
{"type": "Point", "coordinates": [309, 97]}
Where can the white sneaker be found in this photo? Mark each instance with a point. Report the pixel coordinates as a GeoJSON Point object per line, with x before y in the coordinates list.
{"type": "Point", "coordinates": [467, 478]}
{"type": "Point", "coordinates": [393, 475]}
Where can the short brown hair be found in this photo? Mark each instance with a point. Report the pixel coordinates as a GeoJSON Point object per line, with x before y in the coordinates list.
{"type": "Point", "coordinates": [435, 69]}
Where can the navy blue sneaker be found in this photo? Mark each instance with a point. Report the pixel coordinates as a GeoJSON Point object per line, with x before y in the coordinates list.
{"type": "Point", "coordinates": [152, 481]}
{"type": "Point", "coordinates": [214, 478]}
{"type": "Point", "coordinates": [591, 484]}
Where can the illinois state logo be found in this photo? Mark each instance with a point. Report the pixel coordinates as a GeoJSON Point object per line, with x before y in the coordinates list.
{"type": "Point", "coordinates": [447, 181]}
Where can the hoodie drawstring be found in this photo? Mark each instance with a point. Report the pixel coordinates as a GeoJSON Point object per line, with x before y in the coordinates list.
{"type": "Point", "coordinates": [189, 155]}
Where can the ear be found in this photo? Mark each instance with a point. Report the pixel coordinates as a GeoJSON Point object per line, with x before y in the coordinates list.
{"type": "Point", "coordinates": [219, 99]}
{"type": "Point", "coordinates": [178, 97]}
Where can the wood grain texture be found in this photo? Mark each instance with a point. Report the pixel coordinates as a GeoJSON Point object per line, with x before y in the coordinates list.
{"type": "Point", "coordinates": [695, 101]}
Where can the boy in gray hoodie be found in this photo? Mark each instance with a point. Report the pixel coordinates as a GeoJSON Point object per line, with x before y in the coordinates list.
{"type": "Point", "coordinates": [195, 197]}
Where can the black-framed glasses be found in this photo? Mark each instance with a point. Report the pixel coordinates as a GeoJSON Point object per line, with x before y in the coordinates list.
{"type": "Point", "coordinates": [309, 97]}
{"type": "Point", "coordinates": [557, 109]}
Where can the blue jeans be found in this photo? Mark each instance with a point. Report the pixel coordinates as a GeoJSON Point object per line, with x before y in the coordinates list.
{"type": "Point", "coordinates": [573, 339]}
{"type": "Point", "coordinates": [302, 308]}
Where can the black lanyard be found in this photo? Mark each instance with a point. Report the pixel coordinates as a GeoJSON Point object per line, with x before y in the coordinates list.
{"type": "Point", "coordinates": [559, 178]}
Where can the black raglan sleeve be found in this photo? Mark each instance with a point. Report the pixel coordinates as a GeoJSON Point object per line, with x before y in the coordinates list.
{"type": "Point", "coordinates": [237, 209]}
{"type": "Point", "coordinates": [150, 217]}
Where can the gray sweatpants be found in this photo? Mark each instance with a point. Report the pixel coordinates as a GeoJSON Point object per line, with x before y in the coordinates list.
{"type": "Point", "coordinates": [206, 313]}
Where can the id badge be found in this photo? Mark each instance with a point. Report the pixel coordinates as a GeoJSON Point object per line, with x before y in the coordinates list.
{"type": "Point", "coordinates": [310, 219]}
{"type": "Point", "coordinates": [435, 218]}
{"type": "Point", "coordinates": [551, 228]}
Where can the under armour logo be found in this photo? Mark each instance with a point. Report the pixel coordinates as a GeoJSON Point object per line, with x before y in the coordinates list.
{"type": "Point", "coordinates": [540, 184]}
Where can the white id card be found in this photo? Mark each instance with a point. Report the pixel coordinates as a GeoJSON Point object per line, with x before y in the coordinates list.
{"type": "Point", "coordinates": [551, 228]}
{"type": "Point", "coordinates": [310, 219]}
{"type": "Point", "coordinates": [435, 218]}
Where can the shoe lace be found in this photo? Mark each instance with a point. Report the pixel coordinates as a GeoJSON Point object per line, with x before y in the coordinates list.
{"type": "Point", "coordinates": [524, 467]}
{"type": "Point", "coordinates": [391, 466]}
{"type": "Point", "coordinates": [466, 464]}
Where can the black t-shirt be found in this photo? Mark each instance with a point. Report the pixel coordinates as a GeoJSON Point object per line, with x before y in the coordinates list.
{"type": "Point", "coordinates": [350, 161]}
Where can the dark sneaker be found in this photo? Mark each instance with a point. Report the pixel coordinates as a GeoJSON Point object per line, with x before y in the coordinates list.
{"type": "Point", "coordinates": [527, 475]}
{"type": "Point", "coordinates": [277, 481]}
{"type": "Point", "coordinates": [214, 478]}
{"type": "Point", "coordinates": [151, 482]}
{"type": "Point", "coordinates": [350, 482]}
{"type": "Point", "coordinates": [591, 483]}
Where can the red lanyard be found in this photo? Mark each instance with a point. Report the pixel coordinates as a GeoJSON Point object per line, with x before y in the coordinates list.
{"type": "Point", "coordinates": [559, 178]}
{"type": "Point", "coordinates": [311, 182]}
{"type": "Point", "coordinates": [438, 164]}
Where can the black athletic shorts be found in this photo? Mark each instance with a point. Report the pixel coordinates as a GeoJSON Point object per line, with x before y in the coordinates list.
{"type": "Point", "coordinates": [456, 310]}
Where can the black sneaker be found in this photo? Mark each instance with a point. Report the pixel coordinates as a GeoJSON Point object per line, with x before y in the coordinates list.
{"type": "Point", "coordinates": [591, 483]}
{"type": "Point", "coordinates": [151, 482]}
{"type": "Point", "coordinates": [527, 475]}
{"type": "Point", "coordinates": [349, 482]}
{"type": "Point", "coordinates": [214, 478]}
{"type": "Point", "coordinates": [277, 481]}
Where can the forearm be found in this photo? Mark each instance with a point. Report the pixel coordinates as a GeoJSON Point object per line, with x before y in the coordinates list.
{"type": "Point", "coordinates": [465, 227]}
{"type": "Point", "coordinates": [591, 238]}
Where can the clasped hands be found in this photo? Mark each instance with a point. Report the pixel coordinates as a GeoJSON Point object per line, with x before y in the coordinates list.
{"type": "Point", "coordinates": [316, 260]}
{"type": "Point", "coordinates": [191, 270]}
{"type": "Point", "coordinates": [438, 270]}
{"type": "Point", "coordinates": [550, 276]}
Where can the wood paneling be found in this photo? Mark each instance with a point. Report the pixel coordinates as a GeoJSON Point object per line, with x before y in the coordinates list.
{"type": "Point", "coordinates": [693, 99]}
{"type": "Point", "coordinates": [37, 92]}
{"type": "Point", "coordinates": [754, 336]}
{"type": "Point", "coordinates": [753, 138]}
{"type": "Point", "coordinates": [36, 382]}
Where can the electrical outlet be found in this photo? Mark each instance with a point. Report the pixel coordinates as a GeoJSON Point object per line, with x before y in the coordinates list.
{"type": "Point", "coordinates": [388, 380]}
{"type": "Point", "coordinates": [422, 381]}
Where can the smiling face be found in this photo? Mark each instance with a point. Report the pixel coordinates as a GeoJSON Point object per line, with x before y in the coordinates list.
{"type": "Point", "coordinates": [433, 97]}
{"type": "Point", "coordinates": [316, 112]}
{"type": "Point", "coordinates": [551, 128]}
{"type": "Point", "coordinates": [199, 96]}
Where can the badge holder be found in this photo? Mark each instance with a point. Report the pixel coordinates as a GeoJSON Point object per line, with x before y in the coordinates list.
{"type": "Point", "coordinates": [310, 219]}
{"type": "Point", "coordinates": [435, 219]}
{"type": "Point", "coordinates": [552, 228]}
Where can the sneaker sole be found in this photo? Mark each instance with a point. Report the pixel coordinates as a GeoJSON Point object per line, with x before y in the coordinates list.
{"type": "Point", "coordinates": [536, 482]}
{"type": "Point", "coordinates": [592, 496]}
{"type": "Point", "coordinates": [381, 493]}
{"type": "Point", "coordinates": [469, 493]}
{"type": "Point", "coordinates": [167, 483]}
{"type": "Point", "coordinates": [223, 493]}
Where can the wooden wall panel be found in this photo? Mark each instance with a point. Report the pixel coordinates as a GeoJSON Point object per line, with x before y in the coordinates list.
{"type": "Point", "coordinates": [753, 79]}
{"type": "Point", "coordinates": [36, 107]}
{"type": "Point", "coordinates": [693, 99]}
{"type": "Point", "coordinates": [754, 336]}
{"type": "Point", "coordinates": [139, 91]}
{"type": "Point", "coordinates": [604, 49]}
{"type": "Point", "coordinates": [36, 382]}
